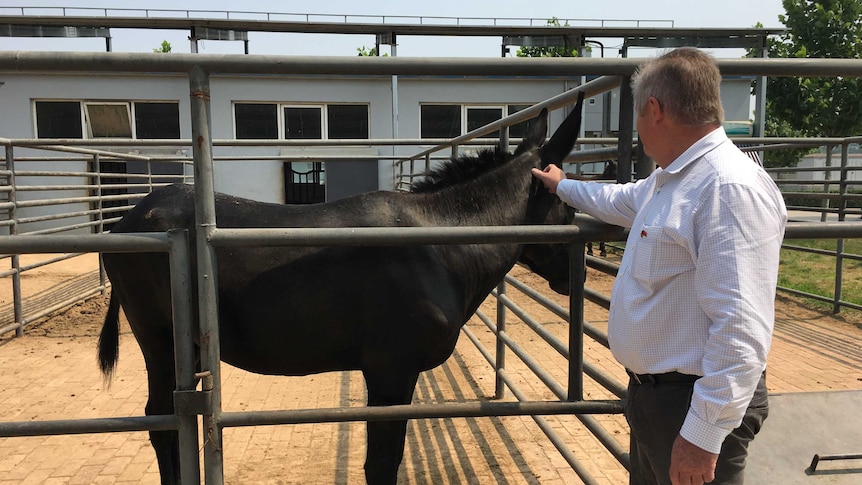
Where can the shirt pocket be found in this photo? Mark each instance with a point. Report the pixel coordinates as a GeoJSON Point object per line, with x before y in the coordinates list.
{"type": "Point", "coordinates": [659, 256]}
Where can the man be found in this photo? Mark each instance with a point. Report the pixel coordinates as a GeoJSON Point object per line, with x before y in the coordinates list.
{"type": "Point", "coordinates": [692, 307]}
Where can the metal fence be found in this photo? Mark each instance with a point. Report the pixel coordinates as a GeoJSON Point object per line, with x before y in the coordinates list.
{"type": "Point", "coordinates": [79, 195]}
{"type": "Point", "coordinates": [214, 419]}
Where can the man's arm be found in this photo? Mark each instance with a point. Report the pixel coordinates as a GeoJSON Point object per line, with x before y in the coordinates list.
{"type": "Point", "coordinates": [738, 233]}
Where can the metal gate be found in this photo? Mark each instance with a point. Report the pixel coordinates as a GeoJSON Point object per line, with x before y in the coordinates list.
{"type": "Point", "coordinates": [206, 402]}
{"type": "Point", "coordinates": [304, 186]}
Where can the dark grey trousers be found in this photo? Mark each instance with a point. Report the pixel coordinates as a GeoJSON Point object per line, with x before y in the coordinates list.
{"type": "Point", "coordinates": [655, 413]}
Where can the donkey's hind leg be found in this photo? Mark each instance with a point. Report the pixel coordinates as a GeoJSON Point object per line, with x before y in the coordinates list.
{"type": "Point", "coordinates": [161, 382]}
{"type": "Point", "coordinates": [385, 445]}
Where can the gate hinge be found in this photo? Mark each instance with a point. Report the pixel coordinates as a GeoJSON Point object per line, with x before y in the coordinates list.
{"type": "Point", "coordinates": [187, 403]}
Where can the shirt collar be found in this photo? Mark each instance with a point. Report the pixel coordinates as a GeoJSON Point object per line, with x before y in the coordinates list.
{"type": "Point", "coordinates": [700, 148]}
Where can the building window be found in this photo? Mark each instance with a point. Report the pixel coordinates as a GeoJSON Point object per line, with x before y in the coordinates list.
{"type": "Point", "coordinates": [347, 121]}
{"type": "Point", "coordinates": [256, 121]}
{"type": "Point", "coordinates": [446, 121]}
{"type": "Point", "coordinates": [58, 119]}
{"type": "Point", "coordinates": [478, 117]}
{"type": "Point", "coordinates": [157, 120]}
{"type": "Point", "coordinates": [302, 123]}
{"type": "Point", "coordinates": [440, 120]}
{"type": "Point", "coordinates": [102, 119]}
{"type": "Point", "coordinates": [518, 130]}
{"type": "Point", "coordinates": [108, 120]}
{"type": "Point", "coordinates": [270, 121]}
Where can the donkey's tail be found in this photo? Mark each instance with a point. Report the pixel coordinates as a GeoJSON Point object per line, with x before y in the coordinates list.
{"type": "Point", "coordinates": [109, 339]}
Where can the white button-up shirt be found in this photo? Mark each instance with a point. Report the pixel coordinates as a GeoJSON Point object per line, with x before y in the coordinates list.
{"type": "Point", "coordinates": [695, 292]}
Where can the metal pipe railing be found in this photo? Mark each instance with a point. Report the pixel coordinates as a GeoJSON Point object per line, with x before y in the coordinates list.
{"type": "Point", "coordinates": [207, 298]}
{"type": "Point", "coordinates": [201, 67]}
{"type": "Point", "coordinates": [107, 62]}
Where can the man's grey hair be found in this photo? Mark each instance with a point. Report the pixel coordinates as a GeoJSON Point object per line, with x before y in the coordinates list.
{"type": "Point", "coordinates": [685, 82]}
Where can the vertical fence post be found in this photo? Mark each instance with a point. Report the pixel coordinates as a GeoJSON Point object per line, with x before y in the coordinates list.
{"type": "Point", "coordinates": [184, 352]}
{"type": "Point", "coordinates": [103, 278]}
{"type": "Point", "coordinates": [839, 243]}
{"type": "Point", "coordinates": [100, 205]}
{"type": "Point", "coordinates": [626, 131]}
{"type": "Point", "coordinates": [578, 268]}
{"type": "Point", "coordinates": [149, 163]}
{"type": "Point", "coordinates": [503, 144]}
{"type": "Point", "coordinates": [17, 304]}
{"type": "Point", "coordinates": [205, 225]}
{"type": "Point", "coordinates": [827, 176]}
{"type": "Point", "coordinates": [500, 361]}
{"type": "Point", "coordinates": [397, 174]}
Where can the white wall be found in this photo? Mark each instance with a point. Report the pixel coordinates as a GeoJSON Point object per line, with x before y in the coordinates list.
{"type": "Point", "coordinates": [264, 180]}
{"type": "Point", "coordinates": [18, 91]}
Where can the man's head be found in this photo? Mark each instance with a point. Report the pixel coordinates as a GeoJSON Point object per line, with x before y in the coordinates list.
{"type": "Point", "coordinates": [678, 101]}
{"type": "Point", "coordinates": [685, 82]}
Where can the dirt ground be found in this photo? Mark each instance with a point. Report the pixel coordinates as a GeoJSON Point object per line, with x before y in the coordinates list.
{"type": "Point", "coordinates": [51, 373]}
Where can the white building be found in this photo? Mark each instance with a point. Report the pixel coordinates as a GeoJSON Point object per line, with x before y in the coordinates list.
{"type": "Point", "coordinates": [268, 107]}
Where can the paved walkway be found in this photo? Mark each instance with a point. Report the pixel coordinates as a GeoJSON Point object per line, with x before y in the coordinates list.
{"type": "Point", "coordinates": [51, 373]}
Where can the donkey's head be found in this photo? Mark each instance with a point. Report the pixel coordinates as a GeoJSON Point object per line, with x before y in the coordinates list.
{"type": "Point", "coordinates": [550, 261]}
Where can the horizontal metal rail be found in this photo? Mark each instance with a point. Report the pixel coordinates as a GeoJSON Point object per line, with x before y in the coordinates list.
{"type": "Point", "coordinates": [822, 252]}
{"type": "Point", "coordinates": [155, 15]}
{"type": "Point", "coordinates": [87, 243]}
{"type": "Point", "coordinates": [77, 200]}
{"type": "Point", "coordinates": [379, 236]}
{"type": "Point", "coordinates": [46, 262]}
{"type": "Point", "coordinates": [44, 143]}
{"type": "Point", "coordinates": [105, 62]}
{"type": "Point", "coordinates": [814, 296]}
{"type": "Point", "coordinates": [417, 411]}
{"type": "Point", "coordinates": [68, 302]}
{"type": "Point", "coordinates": [398, 236]}
{"type": "Point", "coordinates": [87, 425]}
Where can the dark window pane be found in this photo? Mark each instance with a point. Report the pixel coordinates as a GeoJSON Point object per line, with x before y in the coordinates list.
{"type": "Point", "coordinates": [479, 117]}
{"type": "Point", "coordinates": [256, 121]}
{"type": "Point", "coordinates": [58, 119]}
{"type": "Point", "coordinates": [302, 124]}
{"type": "Point", "coordinates": [519, 130]}
{"type": "Point", "coordinates": [348, 121]}
{"type": "Point", "coordinates": [157, 120]}
{"type": "Point", "coordinates": [440, 121]}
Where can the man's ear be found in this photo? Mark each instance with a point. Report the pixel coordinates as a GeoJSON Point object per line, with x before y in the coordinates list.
{"type": "Point", "coordinates": [654, 109]}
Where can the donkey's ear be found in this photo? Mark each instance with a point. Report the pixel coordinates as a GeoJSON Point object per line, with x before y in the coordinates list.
{"type": "Point", "coordinates": [536, 133]}
{"type": "Point", "coordinates": [563, 140]}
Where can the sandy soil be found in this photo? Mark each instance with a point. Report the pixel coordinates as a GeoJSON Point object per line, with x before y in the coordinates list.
{"type": "Point", "coordinates": [50, 373]}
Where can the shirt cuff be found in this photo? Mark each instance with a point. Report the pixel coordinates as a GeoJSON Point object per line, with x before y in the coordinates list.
{"type": "Point", "coordinates": [702, 434]}
{"type": "Point", "coordinates": [564, 188]}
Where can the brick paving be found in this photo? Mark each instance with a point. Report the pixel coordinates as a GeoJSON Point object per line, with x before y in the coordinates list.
{"type": "Point", "coordinates": [52, 374]}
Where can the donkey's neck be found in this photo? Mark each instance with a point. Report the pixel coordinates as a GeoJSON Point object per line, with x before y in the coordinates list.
{"type": "Point", "coordinates": [497, 198]}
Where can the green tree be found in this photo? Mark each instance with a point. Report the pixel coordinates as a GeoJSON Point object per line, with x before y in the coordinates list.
{"type": "Point", "coordinates": [368, 52]}
{"type": "Point", "coordinates": [815, 106]}
{"type": "Point", "coordinates": [531, 51]}
{"type": "Point", "coordinates": [164, 48]}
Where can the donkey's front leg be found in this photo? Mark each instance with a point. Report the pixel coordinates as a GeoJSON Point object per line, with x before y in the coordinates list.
{"type": "Point", "coordinates": [385, 445]}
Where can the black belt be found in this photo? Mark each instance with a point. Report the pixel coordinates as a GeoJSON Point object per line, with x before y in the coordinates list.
{"type": "Point", "coordinates": [666, 378]}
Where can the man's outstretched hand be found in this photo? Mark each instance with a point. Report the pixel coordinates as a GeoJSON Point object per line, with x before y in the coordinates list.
{"type": "Point", "coordinates": [550, 177]}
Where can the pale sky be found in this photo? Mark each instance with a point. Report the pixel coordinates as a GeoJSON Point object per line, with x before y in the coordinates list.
{"type": "Point", "coordinates": [621, 13]}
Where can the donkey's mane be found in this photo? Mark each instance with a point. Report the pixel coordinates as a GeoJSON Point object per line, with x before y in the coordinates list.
{"type": "Point", "coordinates": [459, 170]}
